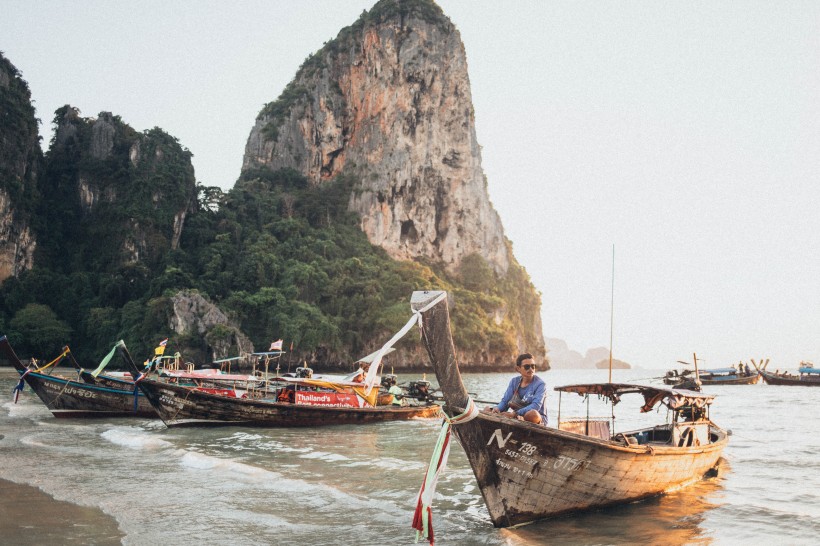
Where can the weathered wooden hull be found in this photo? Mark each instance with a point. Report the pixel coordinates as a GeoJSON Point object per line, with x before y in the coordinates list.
{"type": "Point", "coordinates": [777, 379]}
{"type": "Point", "coordinates": [68, 398]}
{"type": "Point", "coordinates": [528, 472]}
{"type": "Point", "coordinates": [533, 472]}
{"type": "Point", "coordinates": [185, 406]}
{"type": "Point", "coordinates": [71, 398]}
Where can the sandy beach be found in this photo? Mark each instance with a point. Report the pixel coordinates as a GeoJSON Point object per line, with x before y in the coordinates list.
{"type": "Point", "coordinates": [29, 516]}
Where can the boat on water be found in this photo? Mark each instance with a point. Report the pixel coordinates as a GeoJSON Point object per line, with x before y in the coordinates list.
{"type": "Point", "coordinates": [807, 375]}
{"type": "Point", "coordinates": [73, 397]}
{"type": "Point", "coordinates": [715, 376]}
{"type": "Point", "coordinates": [281, 402]}
{"type": "Point", "coordinates": [527, 472]}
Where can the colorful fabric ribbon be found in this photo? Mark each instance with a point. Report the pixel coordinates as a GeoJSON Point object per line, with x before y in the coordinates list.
{"type": "Point", "coordinates": [18, 388]}
{"type": "Point", "coordinates": [423, 516]}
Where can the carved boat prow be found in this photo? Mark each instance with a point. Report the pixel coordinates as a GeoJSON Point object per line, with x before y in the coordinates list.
{"type": "Point", "coordinates": [528, 472]}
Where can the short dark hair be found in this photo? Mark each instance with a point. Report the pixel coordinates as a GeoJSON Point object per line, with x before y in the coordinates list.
{"type": "Point", "coordinates": [521, 358]}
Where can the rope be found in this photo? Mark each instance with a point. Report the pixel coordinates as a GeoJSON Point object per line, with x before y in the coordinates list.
{"type": "Point", "coordinates": [67, 383]}
{"type": "Point", "coordinates": [423, 516]}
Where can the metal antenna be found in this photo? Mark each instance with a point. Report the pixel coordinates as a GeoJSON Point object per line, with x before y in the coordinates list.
{"type": "Point", "coordinates": [612, 313]}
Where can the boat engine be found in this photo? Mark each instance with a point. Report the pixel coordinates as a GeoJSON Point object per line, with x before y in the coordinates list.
{"type": "Point", "coordinates": [420, 390]}
{"type": "Point", "coordinates": [304, 372]}
{"type": "Point", "coordinates": [387, 380]}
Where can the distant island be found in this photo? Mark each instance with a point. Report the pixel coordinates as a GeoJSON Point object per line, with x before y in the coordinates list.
{"type": "Point", "coordinates": [562, 357]}
{"type": "Point", "coordinates": [616, 364]}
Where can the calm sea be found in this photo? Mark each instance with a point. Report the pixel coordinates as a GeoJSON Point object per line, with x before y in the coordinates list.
{"type": "Point", "coordinates": [358, 484]}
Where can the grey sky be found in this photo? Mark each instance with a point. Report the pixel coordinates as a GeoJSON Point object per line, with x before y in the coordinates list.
{"type": "Point", "coordinates": [686, 134]}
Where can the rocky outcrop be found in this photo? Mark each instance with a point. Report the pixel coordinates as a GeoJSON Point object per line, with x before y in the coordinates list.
{"type": "Point", "coordinates": [20, 158]}
{"type": "Point", "coordinates": [17, 242]}
{"type": "Point", "coordinates": [389, 99]}
{"type": "Point", "coordinates": [194, 316]}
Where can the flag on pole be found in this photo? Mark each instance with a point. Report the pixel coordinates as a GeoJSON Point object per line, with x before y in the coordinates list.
{"type": "Point", "coordinates": [160, 350]}
{"type": "Point", "coordinates": [276, 345]}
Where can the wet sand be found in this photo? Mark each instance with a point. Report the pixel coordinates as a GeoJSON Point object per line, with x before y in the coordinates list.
{"type": "Point", "coordinates": [29, 516]}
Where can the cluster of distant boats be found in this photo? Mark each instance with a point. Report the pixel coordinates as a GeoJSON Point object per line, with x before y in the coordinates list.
{"type": "Point", "coordinates": [525, 471]}
{"type": "Point", "coordinates": [807, 375]}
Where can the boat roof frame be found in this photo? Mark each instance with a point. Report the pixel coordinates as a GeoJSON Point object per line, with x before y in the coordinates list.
{"type": "Point", "coordinates": [673, 398]}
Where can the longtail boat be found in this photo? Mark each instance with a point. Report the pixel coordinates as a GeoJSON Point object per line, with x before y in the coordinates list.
{"type": "Point", "coordinates": [67, 397]}
{"type": "Point", "coordinates": [528, 472]}
{"type": "Point", "coordinates": [283, 402]}
{"type": "Point", "coordinates": [807, 375]}
{"type": "Point", "coordinates": [716, 376]}
{"type": "Point", "coordinates": [730, 375]}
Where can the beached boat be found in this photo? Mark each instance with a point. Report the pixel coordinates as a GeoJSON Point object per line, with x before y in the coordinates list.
{"type": "Point", "coordinates": [283, 401]}
{"type": "Point", "coordinates": [67, 397]}
{"type": "Point", "coordinates": [807, 375]}
{"type": "Point", "coordinates": [527, 472]}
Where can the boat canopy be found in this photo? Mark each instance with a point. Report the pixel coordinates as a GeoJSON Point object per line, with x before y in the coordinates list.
{"type": "Point", "coordinates": [807, 369]}
{"type": "Point", "coordinates": [717, 371]}
{"type": "Point", "coordinates": [672, 398]}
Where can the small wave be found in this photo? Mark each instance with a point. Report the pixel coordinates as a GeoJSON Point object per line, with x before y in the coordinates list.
{"type": "Point", "coordinates": [134, 438]}
{"type": "Point", "coordinates": [325, 456]}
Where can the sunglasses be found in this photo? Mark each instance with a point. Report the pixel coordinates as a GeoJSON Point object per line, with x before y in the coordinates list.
{"type": "Point", "coordinates": [529, 366]}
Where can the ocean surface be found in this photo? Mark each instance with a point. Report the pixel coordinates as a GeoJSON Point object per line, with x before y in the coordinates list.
{"type": "Point", "coordinates": [358, 484]}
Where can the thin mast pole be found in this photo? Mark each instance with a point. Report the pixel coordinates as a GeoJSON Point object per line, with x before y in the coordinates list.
{"type": "Point", "coordinates": [612, 313]}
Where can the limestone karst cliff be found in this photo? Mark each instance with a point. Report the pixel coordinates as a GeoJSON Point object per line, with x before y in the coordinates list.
{"type": "Point", "coordinates": [390, 99]}
{"type": "Point", "coordinates": [362, 183]}
{"type": "Point", "coordinates": [128, 190]}
{"type": "Point", "coordinates": [20, 158]}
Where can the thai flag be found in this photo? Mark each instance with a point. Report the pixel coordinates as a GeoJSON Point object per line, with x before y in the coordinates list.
{"type": "Point", "coordinates": [164, 342]}
{"type": "Point", "coordinates": [276, 346]}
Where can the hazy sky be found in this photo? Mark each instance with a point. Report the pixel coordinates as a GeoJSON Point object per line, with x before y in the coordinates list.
{"type": "Point", "coordinates": [686, 134]}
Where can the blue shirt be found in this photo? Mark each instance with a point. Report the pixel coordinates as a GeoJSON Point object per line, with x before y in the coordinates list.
{"type": "Point", "coordinates": [533, 395]}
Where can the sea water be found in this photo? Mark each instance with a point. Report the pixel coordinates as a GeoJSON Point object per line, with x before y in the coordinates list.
{"type": "Point", "coordinates": [358, 484]}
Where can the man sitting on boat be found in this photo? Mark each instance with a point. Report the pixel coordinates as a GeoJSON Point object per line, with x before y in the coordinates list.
{"type": "Point", "coordinates": [526, 394]}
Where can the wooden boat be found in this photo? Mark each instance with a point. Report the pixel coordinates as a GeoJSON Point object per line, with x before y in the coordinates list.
{"type": "Point", "coordinates": [807, 375]}
{"type": "Point", "coordinates": [717, 376]}
{"type": "Point", "coordinates": [727, 376]}
{"type": "Point", "coordinates": [527, 472]}
{"type": "Point", "coordinates": [285, 402]}
{"type": "Point", "coordinates": [66, 397]}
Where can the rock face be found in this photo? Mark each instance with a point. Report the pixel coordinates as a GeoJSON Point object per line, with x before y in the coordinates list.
{"type": "Point", "coordinates": [194, 316]}
{"type": "Point", "coordinates": [20, 158]}
{"type": "Point", "coordinates": [131, 190]}
{"type": "Point", "coordinates": [389, 99]}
